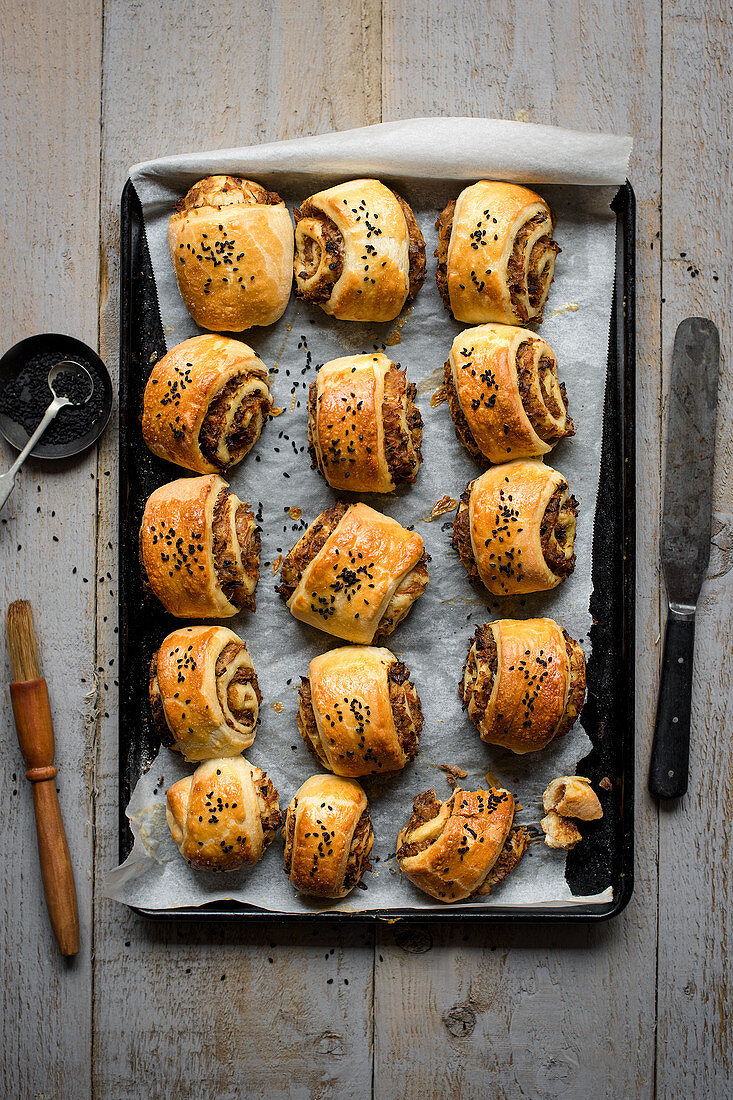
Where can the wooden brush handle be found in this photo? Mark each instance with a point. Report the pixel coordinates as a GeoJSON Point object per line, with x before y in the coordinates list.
{"type": "Point", "coordinates": [33, 721]}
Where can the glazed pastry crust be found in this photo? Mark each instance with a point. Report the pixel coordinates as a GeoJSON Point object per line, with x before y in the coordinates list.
{"type": "Point", "coordinates": [224, 815]}
{"type": "Point", "coordinates": [572, 796]}
{"type": "Point", "coordinates": [321, 825]}
{"type": "Point", "coordinates": [506, 508]}
{"type": "Point", "coordinates": [346, 588]}
{"type": "Point", "coordinates": [488, 217]}
{"type": "Point", "coordinates": [181, 389]}
{"type": "Point", "coordinates": [177, 548]}
{"type": "Point", "coordinates": [375, 278]}
{"type": "Point", "coordinates": [346, 427]}
{"type": "Point", "coordinates": [464, 841]}
{"type": "Point", "coordinates": [483, 371]}
{"type": "Point", "coordinates": [352, 709]}
{"type": "Point", "coordinates": [200, 707]}
{"type": "Point", "coordinates": [244, 238]}
{"type": "Point", "coordinates": [531, 695]}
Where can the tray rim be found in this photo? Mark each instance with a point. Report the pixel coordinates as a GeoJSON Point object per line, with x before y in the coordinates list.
{"type": "Point", "coordinates": [624, 314]}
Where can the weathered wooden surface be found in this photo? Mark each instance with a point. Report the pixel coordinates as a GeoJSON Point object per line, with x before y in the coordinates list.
{"type": "Point", "coordinates": [49, 221]}
{"type": "Point", "coordinates": [636, 1008]}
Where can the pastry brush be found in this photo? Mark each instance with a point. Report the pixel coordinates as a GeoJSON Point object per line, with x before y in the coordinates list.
{"type": "Point", "coordinates": [33, 722]}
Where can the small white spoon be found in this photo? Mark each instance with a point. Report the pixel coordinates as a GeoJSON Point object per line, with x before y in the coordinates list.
{"type": "Point", "coordinates": [66, 366]}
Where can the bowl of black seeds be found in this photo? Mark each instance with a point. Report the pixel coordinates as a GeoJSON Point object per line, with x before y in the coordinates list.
{"type": "Point", "coordinates": [25, 395]}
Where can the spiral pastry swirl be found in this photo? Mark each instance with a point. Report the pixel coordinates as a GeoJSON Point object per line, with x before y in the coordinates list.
{"type": "Point", "coordinates": [204, 695]}
{"type": "Point", "coordinates": [328, 836]}
{"type": "Point", "coordinates": [523, 683]}
{"type": "Point", "coordinates": [515, 528]}
{"type": "Point", "coordinates": [199, 549]}
{"type": "Point", "coordinates": [223, 816]}
{"type": "Point", "coordinates": [463, 846]}
{"type": "Point", "coordinates": [504, 394]}
{"type": "Point", "coordinates": [359, 252]}
{"type": "Point", "coordinates": [205, 404]}
{"type": "Point", "coordinates": [359, 712]}
{"type": "Point", "coordinates": [496, 255]}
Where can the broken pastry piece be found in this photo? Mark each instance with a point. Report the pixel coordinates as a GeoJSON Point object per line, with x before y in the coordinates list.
{"type": "Point", "coordinates": [572, 796]}
{"type": "Point", "coordinates": [568, 796]}
{"type": "Point", "coordinates": [560, 832]}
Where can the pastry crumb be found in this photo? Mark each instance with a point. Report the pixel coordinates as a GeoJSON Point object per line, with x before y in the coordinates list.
{"type": "Point", "coordinates": [445, 504]}
{"type": "Point", "coordinates": [295, 512]}
{"type": "Point", "coordinates": [606, 784]}
{"type": "Point", "coordinates": [277, 564]}
{"type": "Point", "coordinates": [560, 832]}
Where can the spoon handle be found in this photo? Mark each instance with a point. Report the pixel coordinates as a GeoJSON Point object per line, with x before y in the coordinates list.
{"type": "Point", "coordinates": [7, 480]}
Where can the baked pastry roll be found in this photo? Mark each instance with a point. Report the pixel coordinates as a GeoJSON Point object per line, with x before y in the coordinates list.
{"type": "Point", "coordinates": [205, 404]}
{"type": "Point", "coordinates": [200, 549]}
{"type": "Point", "coordinates": [364, 429]}
{"type": "Point", "coordinates": [523, 683]}
{"type": "Point", "coordinates": [354, 573]}
{"type": "Point", "coordinates": [231, 246]}
{"type": "Point", "coordinates": [496, 255]}
{"type": "Point", "coordinates": [359, 712]}
{"type": "Point", "coordinates": [463, 846]}
{"type": "Point", "coordinates": [204, 695]}
{"type": "Point", "coordinates": [328, 836]}
{"type": "Point", "coordinates": [504, 395]}
{"type": "Point", "coordinates": [359, 252]}
{"type": "Point", "coordinates": [515, 528]}
{"type": "Point", "coordinates": [224, 815]}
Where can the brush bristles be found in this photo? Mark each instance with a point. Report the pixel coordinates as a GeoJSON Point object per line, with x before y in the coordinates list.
{"type": "Point", "coordinates": [22, 642]}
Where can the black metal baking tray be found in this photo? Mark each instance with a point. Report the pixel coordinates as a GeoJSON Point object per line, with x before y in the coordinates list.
{"type": "Point", "coordinates": [608, 717]}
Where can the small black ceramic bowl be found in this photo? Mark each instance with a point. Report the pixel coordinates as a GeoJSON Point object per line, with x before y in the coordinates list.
{"type": "Point", "coordinates": [25, 396]}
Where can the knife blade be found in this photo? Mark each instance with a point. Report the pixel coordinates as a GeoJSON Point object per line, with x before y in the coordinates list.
{"type": "Point", "coordinates": [685, 543]}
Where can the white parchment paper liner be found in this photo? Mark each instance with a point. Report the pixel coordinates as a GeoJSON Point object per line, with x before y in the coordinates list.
{"type": "Point", "coordinates": [424, 159]}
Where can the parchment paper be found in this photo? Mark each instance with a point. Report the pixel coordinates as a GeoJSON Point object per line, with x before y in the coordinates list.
{"type": "Point", "coordinates": [425, 160]}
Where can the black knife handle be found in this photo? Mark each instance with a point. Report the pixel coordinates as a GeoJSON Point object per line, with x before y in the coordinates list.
{"type": "Point", "coordinates": [671, 747]}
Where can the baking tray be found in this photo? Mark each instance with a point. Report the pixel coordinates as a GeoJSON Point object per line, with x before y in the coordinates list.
{"type": "Point", "coordinates": [608, 716]}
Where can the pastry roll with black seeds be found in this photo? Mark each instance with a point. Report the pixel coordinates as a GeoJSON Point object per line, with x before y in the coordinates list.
{"type": "Point", "coordinates": [496, 255]}
{"type": "Point", "coordinates": [359, 252]}
{"type": "Point", "coordinates": [463, 846]}
{"type": "Point", "coordinates": [231, 246]}
{"type": "Point", "coordinates": [523, 683]}
{"type": "Point", "coordinates": [515, 528]}
{"type": "Point", "coordinates": [205, 404]}
{"type": "Point", "coordinates": [328, 836]}
{"type": "Point", "coordinates": [224, 815]}
{"type": "Point", "coordinates": [504, 395]}
{"type": "Point", "coordinates": [204, 695]}
{"type": "Point", "coordinates": [355, 573]}
{"type": "Point", "coordinates": [200, 549]}
{"type": "Point", "coordinates": [359, 712]}
{"type": "Point", "coordinates": [364, 429]}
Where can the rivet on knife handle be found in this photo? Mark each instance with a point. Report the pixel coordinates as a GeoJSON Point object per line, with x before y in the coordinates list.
{"type": "Point", "coordinates": [668, 771]}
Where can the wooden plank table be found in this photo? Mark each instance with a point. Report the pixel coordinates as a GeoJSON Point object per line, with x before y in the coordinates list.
{"type": "Point", "coordinates": [635, 1008]}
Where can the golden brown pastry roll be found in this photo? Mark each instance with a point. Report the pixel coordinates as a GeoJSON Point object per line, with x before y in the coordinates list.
{"type": "Point", "coordinates": [523, 683]}
{"type": "Point", "coordinates": [231, 246]}
{"type": "Point", "coordinates": [359, 712]}
{"type": "Point", "coordinates": [328, 836]}
{"type": "Point", "coordinates": [515, 528]}
{"type": "Point", "coordinates": [504, 395]}
{"type": "Point", "coordinates": [364, 429]}
{"type": "Point", "coordinates": [359, 252]}
{"type": "Point", "coordinates": [204, 695]}
{"type": "Point", "coordinates": [224, 815]}
{"type": "Point", "coordinates": [200, 549]}
{"type": "Point", "coordinates": [496, 255]}
{"type": "Point", "coordinates": [355, 573]}
{"type": "Point", "coordinates": [205, 404]}
{"type": "Point", "coordinates": [463, 846]}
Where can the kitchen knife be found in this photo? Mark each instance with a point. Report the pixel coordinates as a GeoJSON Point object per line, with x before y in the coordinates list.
{"type": "Point", "coordinates": [685, 550]}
